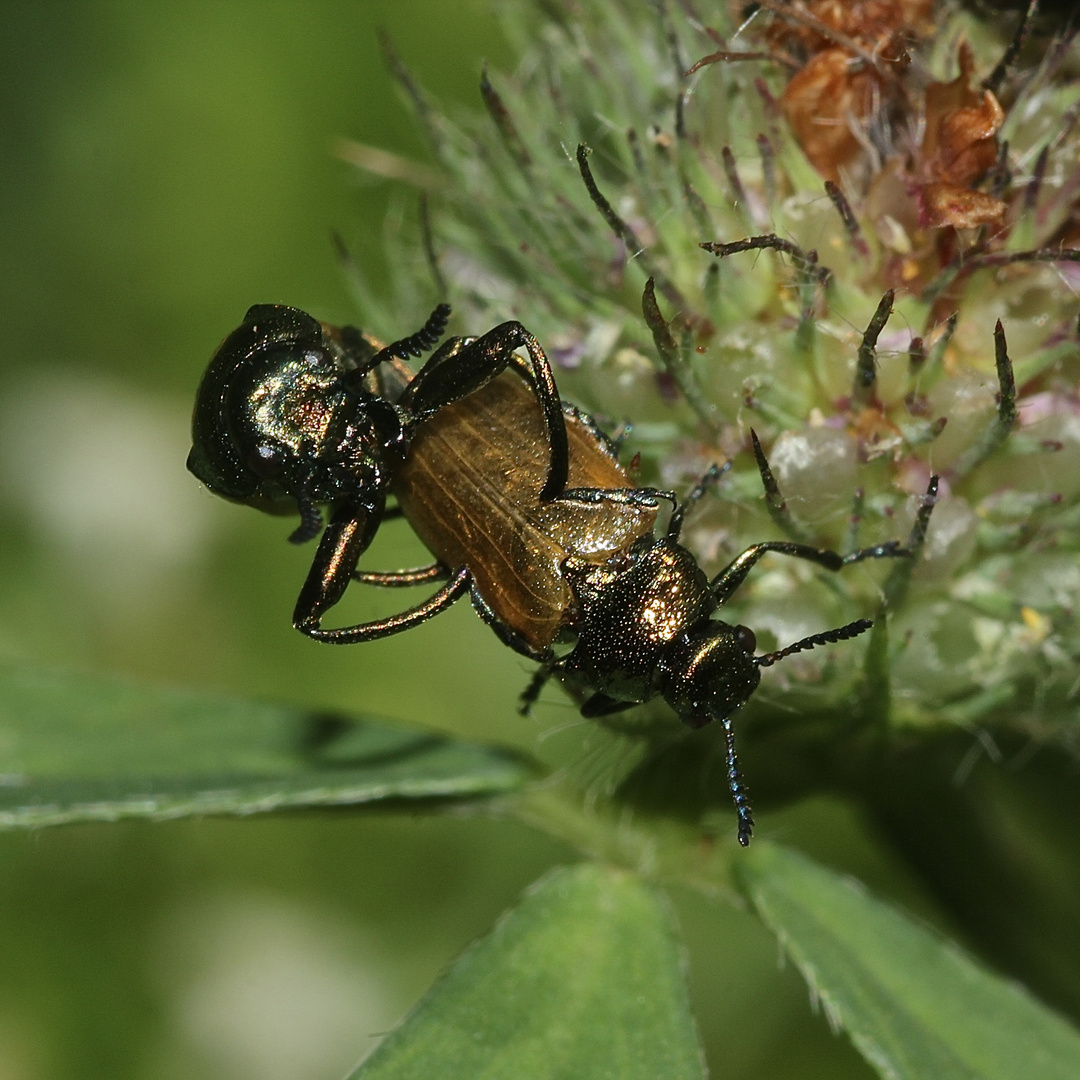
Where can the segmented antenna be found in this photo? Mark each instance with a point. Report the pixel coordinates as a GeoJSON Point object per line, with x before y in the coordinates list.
{"type": "Point", "coordinates": [841, 633]}
{"type": "Point", "coordinates": [417, 344]}
{"type": "Point", "coordinates": [739, 793]}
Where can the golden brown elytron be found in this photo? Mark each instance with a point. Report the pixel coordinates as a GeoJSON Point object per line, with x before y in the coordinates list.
{"type": "Point", "coordinates": [470, 489]}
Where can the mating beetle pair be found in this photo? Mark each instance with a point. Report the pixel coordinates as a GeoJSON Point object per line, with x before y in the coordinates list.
{"type": "Point", "coordinates": [520, 499]}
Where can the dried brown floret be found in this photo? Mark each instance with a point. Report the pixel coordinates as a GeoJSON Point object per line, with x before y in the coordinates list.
{"type": "Point", "coordinates": [962, 123]}
{"type": "Point", "coordinates": [877, 26]}
{"type": "Point", "coordinates": [852, 55]}
{"type": "Point", "coordinates": [823, 101]}
{"type": "Point", "coordinates": [950, 205]}
{"type": "Point", "coordinates": [854, 58]}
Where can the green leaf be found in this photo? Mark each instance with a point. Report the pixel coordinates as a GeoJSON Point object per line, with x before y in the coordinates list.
{"type": "Point", "coordinates": [584, 979]}
{"type": "Point", "coordinates": [914, 1005]}
{"type": "Point", "coordinates": [85, 748]}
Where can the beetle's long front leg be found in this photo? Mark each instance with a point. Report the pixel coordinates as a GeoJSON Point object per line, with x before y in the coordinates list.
{"type": "Point", "coordinates": [711, 477]}
{"type": "Point", "coordinates": [642, 498]}
{"type": "Point", "coordinates": [734, 574]}
{"type": "Point", "coordinates": [463, 365]}
{"type": "Point", "coordinates": [648, 498]}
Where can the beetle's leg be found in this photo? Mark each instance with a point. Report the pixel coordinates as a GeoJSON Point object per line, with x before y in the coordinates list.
{"type": "Point", "coordinates": [464, 365]}
{"type": "Point", "coordinates": [734, 574]}
{"type": "Point", "coordinates": [712, 475]}
{"type": "Point", "coordinates": [612, 444]}
{"type": "Point", "coordinates": [602, 705]}
{"type": "Point", "coordinates": [646, 498]}
{"type": "Point", "coordinates": [650, 497]}
{"type": "Point", "coordinates": [891, 549]}
{"type": "Point", "coordinates": [456, 587]}
{"type": "Point", "coordinates": [511, 638]}
{"type": "Point", "coordinates": [531, 693]}
{"type": "Point", "coordinates": [395, 579]}
{"type": "Point", "coordinates": [343, 542]}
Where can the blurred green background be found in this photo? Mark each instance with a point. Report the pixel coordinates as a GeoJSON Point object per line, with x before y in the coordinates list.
{"type": "Point", "coordinates": [164, 167]}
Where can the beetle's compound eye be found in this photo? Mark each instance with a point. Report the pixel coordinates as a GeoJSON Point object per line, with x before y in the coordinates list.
{"type": "Point", "coordinates": [745, 637]}
{"type": "Point", "coordinates": [266, 460]}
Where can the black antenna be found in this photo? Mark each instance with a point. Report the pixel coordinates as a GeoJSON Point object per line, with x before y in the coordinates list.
{"type": "Point", "coordinates": [417, 344]}
{"type": "Point", "coordinates": [842, 633]}
{"type": "Point", "coordinates": [739, 793]}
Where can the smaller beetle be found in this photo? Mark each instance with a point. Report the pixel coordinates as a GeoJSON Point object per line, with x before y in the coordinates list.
{"type": "Point", "coordinates": [649, 631]}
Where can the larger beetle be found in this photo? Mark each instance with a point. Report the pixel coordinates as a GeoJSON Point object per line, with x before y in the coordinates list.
{"type": "Point", "coordinates": [293, 414]}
